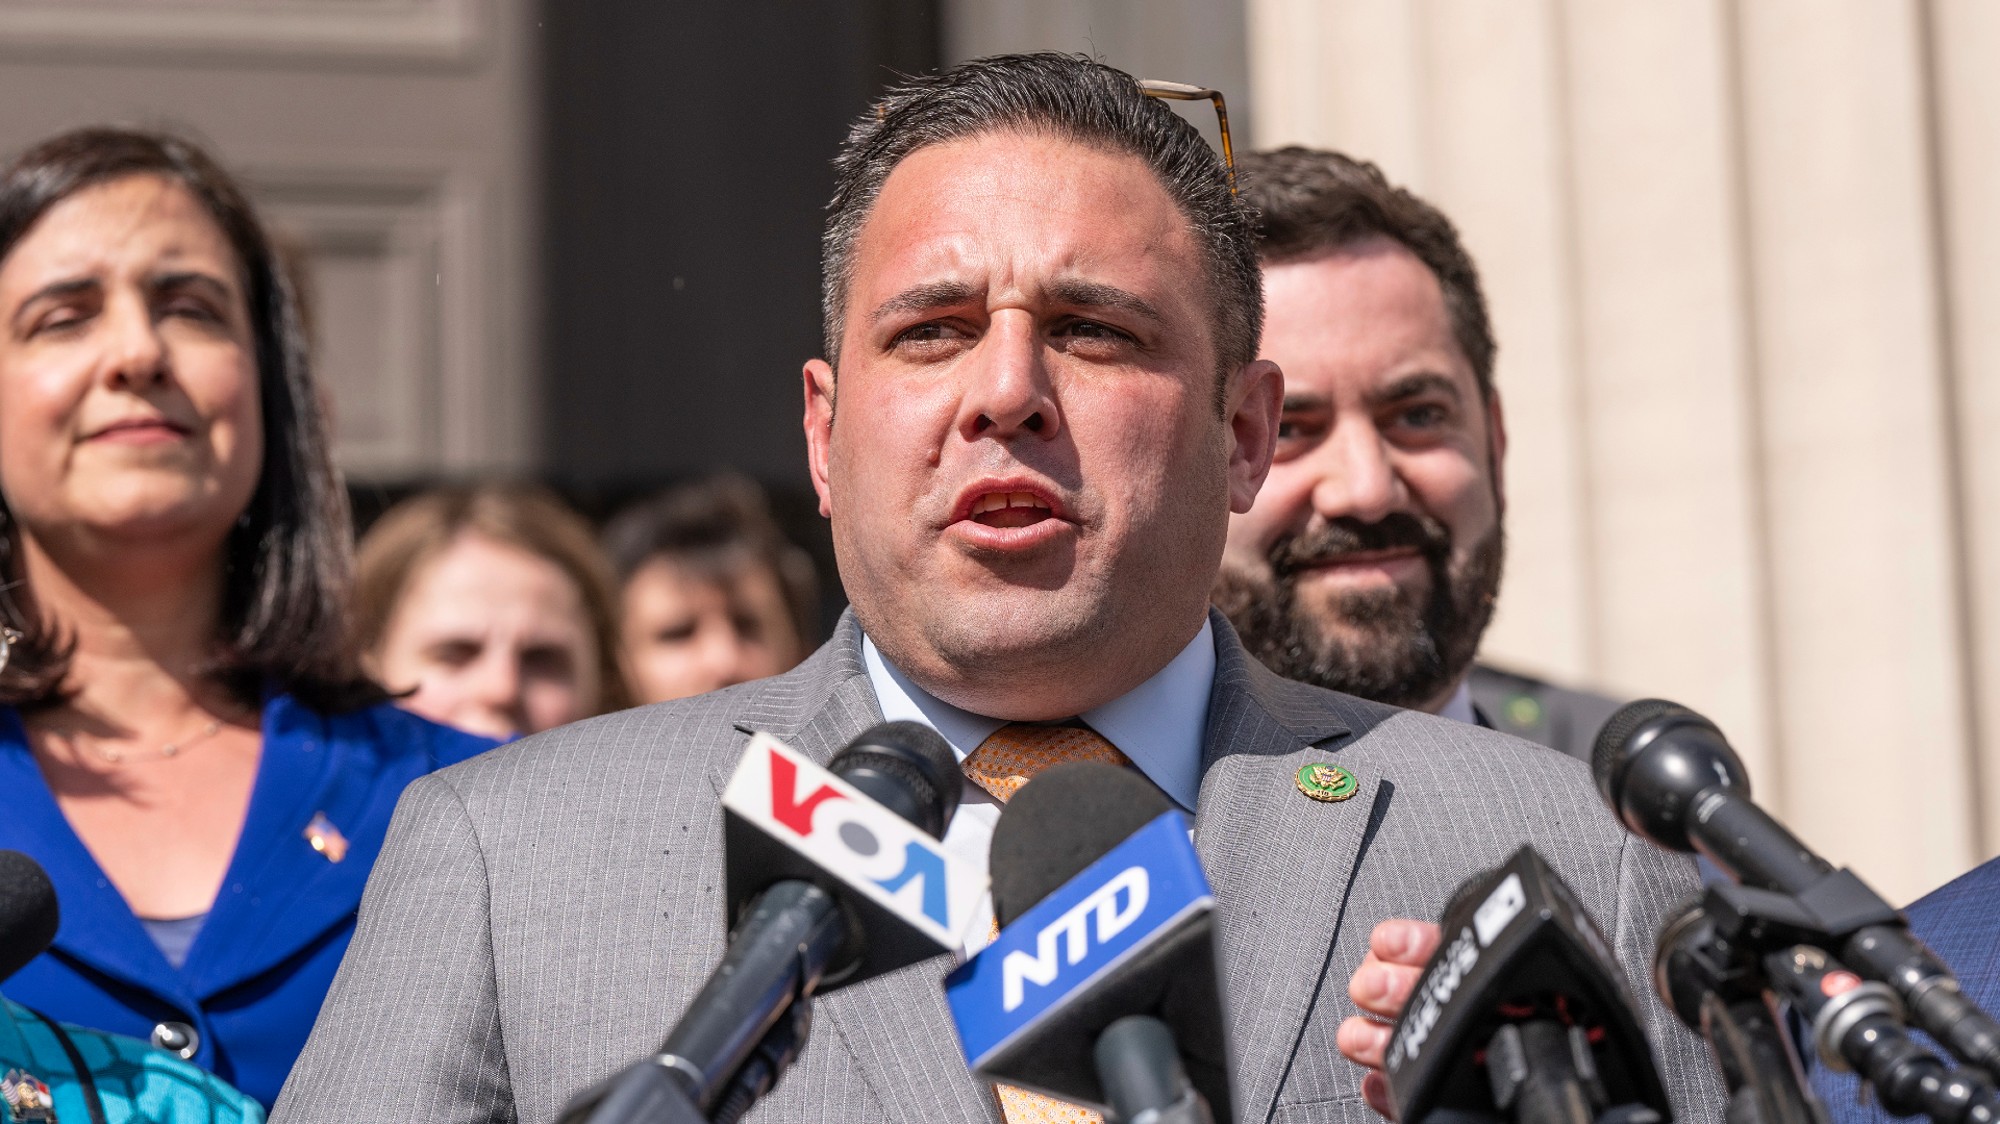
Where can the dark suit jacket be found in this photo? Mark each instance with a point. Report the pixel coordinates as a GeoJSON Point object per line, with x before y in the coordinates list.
{"type": "Point", "coordinates": [544, 913]}
{"type": "Point", "coordinates": [1563, 718]}
{"type": "Point", "coordinates": [1961, 922]}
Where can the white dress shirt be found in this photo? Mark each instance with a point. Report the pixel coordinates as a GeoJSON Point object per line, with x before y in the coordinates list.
{"type": "Point", "coordinates": [1159, 725]}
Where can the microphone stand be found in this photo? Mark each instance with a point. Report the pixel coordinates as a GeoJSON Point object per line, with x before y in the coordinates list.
{"type": "Point", "coordinates": [1860, 1026]}
{"type": "Point", "coordinates": [1713, 982]}
{"type": "Point", "coordinates": [652, 1091]}
{"type": "Point", "coordinates": [1544, 1071]}
{"type": "Point", "coordinates": [1140, 1067]}
{"type": "Point", "coordinates": [1738, 951]}
{"type": "Point", "coordinates": [741, 1031]}
{"type": "Point", "coordinates": [1538, 1075]}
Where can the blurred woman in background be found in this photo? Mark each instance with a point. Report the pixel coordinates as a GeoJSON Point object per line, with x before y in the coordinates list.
{"type": "Point", "coordinates": [714, 593]}
{"type": "Point", "coordinates": [187, 741]}
{"type": "Point", "coordinates": [490, 608]}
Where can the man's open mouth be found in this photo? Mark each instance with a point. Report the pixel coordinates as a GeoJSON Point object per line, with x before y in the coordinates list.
{"type": "Point", "coordinates": [1010, 509]}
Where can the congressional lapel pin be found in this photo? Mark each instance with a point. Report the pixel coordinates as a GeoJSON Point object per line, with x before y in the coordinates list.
{"type": "Point", "coordinates": [326, 838]}
{"type": "Point", "coordinates": [26, 1098]}
{"type": "Point", "coordinates": [1328, 783]}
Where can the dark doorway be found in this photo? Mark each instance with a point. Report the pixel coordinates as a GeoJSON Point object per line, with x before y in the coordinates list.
{"type": "Point", "coordinates": [686, 151]}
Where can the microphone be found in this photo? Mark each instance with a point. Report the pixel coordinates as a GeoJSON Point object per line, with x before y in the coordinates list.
{"type": "Point", "coordinates": [1702, 977]}
{"type": "Point", "coordinates": [1671, 777]}
{"type": "Point", "coordinates": [28, 913]}
{"type": "Point", "coordinates": [833, 876]}
{"type": "Point", "coordinates": [1102, 986]}
{"type": "Point", "coordinates": [1521, 1013]}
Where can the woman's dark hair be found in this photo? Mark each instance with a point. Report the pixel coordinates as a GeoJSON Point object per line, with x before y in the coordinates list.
{"type": "Point", "coordinates": [713, 529]}
{"type": "Point", "coordinates": [288, 561]}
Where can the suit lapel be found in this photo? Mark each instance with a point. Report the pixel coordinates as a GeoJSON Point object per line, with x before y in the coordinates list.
{"type": "Point", "coordinates": [896, 1026]}
{"type": "Point", "coordinates": [834, 703]}
{"type": "Point", "coordinates": [1281, 863]}
{"type": "Point", "coordinates": [900, 1034]}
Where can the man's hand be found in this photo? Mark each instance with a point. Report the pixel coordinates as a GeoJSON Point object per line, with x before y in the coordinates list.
{"type": "Point", "coordinates": [1398, 949]}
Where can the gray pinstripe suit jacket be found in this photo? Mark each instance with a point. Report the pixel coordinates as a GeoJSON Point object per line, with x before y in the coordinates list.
{"type": "Point", "coordinates": [542, 914]}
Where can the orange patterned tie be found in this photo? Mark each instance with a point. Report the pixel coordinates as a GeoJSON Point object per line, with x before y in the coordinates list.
{"type": "Point", "coordinates": [1001, 765]}
{"type": "Point", "coordinates": [1014, 753]}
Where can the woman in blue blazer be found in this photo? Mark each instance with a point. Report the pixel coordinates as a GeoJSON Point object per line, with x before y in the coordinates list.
{"type": "Point", "coordinates": [187, 743]}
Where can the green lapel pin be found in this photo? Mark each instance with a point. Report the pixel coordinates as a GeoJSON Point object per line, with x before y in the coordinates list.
{"type": "Point", "coordinates": [1328, 783]}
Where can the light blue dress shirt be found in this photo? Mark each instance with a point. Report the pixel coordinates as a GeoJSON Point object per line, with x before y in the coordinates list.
{"type": "Point", "coordinates": [1159, 725]}
{"type": "Point", "coordinates": [1458, 707]}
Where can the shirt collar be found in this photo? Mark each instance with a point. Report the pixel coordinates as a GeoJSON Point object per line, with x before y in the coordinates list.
{"type": "Point", "coordinates": [1458, 708]}
{"type": "Point", "coordinates": [1159, 724]}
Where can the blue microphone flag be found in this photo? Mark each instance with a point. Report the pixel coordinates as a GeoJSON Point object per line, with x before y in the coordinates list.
{"type": "Point", "coordinates": [1016, 1004]}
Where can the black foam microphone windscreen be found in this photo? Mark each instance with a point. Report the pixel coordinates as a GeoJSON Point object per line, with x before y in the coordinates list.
{"type": "Point", "coordinates": [1061, 822]}
{"type": "Point", "coordinates": [908, 768]}
{"type": "Point", "coordinates": [28, 914]}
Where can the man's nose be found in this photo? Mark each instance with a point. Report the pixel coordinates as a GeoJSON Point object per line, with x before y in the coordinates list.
{"type": "Point", "coordinates": [1357, 476]}
{"type": "Point", "coordinates": [1009, 391]}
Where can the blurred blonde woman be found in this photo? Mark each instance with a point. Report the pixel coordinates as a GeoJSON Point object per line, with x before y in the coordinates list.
{"type": "Point", "coordinates": [490, 608]}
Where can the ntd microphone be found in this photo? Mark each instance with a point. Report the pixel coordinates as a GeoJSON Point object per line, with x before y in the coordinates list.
{"type": "Point", "coordinates": [785, 817]}
{"type": "Point", "coordinates": [1104, 973]}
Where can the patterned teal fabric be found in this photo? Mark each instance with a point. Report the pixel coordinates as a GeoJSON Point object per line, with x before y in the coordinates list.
{"type": "Point", "coordinates": [136, 1082]}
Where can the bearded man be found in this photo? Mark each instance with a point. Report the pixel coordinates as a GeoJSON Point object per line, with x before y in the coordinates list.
{"type": "Point", "coordinates": [1370, 562]}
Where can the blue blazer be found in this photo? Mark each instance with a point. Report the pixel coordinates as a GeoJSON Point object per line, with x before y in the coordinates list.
{"type": "Point", "coordinates": [1961, 922]}
{"type": "Point", "coordinates": [266, 954]}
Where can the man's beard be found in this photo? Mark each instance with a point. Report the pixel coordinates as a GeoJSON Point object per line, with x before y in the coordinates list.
{"type": "Point", "coordinates": [1398, 646]}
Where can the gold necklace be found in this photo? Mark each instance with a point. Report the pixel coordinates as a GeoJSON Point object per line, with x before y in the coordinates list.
{"type": "Point", "coordinates": [163, 753]}
{"type": "Point", "coordinates": [169, 749]}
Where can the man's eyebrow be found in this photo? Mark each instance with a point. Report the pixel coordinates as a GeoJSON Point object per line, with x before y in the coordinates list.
{"type": "Point", "coordinates": [1093, 294]}
{"type": "Point", "coordinates": [1302, 400]}
{"type": "Point", "coordinates": [1416, 384]}
{"type": "Point", "coordinates": [927, 297]}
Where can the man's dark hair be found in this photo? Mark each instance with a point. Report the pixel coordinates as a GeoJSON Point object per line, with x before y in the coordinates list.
{"type": "Point", "coordinates": [1066, 96]}
{"type": "Point", "coordinates": [1310, 202]}
{"type": "Point", "coordinates": [714, 529]}
{"type": "Point", "coordinates": [288, 560]}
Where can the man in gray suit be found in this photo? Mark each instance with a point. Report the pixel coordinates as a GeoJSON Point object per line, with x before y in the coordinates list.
{"type": "Point", "coordinates": [1042, 308]}
{"type": "Point", "coordinates": [1371, 560]}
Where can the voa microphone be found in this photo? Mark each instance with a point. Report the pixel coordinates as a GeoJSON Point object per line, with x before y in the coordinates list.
{"type": "Point", "coordinates": [1101, 987]}
{"type": "Point", "coordinates": [832, 876]}
{"type": "Point", "coordinates": [1522, 1013]}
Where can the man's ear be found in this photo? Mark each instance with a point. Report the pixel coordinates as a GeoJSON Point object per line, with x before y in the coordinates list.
{"type": "Point", "coordinates": [819, 429]}
{"type": "Point", "coordinates": [1256, 401]}
{"type": "Point", "coordinates": [1496, 448]}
